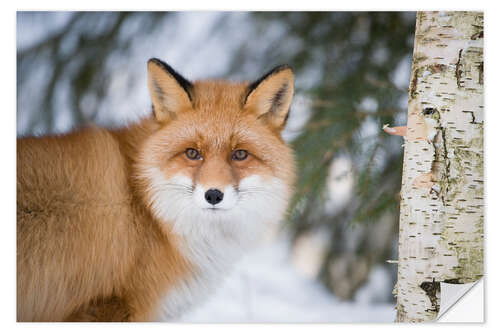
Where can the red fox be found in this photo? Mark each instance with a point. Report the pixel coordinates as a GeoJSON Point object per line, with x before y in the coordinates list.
{"type": "Point", "coordinates": [141, 222]}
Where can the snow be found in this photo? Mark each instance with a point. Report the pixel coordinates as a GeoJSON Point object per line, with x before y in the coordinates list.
{"type": "Point", "coordinates": [376, 289]}
{"type": "Point", "coordinates": [265, 287]}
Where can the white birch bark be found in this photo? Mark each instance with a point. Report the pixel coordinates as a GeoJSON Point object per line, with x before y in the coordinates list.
{"type": "Point", "coordinates": [441, 220]}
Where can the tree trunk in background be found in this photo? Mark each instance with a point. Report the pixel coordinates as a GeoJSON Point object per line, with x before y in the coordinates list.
{"type": "Point", "coordinates": [441, 220]}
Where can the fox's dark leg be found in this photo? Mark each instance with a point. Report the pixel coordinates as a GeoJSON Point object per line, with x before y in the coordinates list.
{"type": "Point", "coordinates": [105, 310]}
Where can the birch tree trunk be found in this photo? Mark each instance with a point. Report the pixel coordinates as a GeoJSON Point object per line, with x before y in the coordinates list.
{"type": "Point", "coordinates": [441, 220]}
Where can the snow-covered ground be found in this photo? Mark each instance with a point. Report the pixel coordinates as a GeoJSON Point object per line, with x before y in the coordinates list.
{"type": "Point", "coordinates": [266, 287]}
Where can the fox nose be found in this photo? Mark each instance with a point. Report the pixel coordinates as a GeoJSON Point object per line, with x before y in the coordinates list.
{"type": "Point", "coordinates": [214, 196]}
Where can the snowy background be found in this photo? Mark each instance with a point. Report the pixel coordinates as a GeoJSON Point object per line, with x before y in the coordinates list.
{"type": "Point", "coordinates": [266, 287]}
{"type": "Point", "coordinates": [73, 71]}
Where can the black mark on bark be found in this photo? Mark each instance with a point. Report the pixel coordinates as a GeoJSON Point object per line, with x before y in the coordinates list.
{"type": "Point", "coordinates": [458, 70]}
{"type": "Point", "coordinates": [413, 84]}
{"type": "Point", "coordinates": [481, 69]}
{"type": "Point", "coordinates": [473, 117]}
{"type": "Point", "coordinates": [432, 289]}
{"type": "Point", "coordinates": [477, 35]}
{"type": "Point", "coordinates": [428, 111]}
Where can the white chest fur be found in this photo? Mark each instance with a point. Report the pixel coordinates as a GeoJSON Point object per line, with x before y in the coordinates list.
{"type": "Point", "coordinates": [211, 261]}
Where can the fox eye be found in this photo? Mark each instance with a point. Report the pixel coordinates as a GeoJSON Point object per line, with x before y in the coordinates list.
{"type": "Point", "coordinates": [239, 155]}
{"type": "Point", "coordinates": [193, 154]}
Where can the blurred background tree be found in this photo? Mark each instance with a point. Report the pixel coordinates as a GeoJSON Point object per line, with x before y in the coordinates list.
{"type": "Point", "coordinates": [352, 71]}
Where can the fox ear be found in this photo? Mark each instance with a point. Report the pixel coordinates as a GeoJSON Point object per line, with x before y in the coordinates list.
{"type": "Point", "coordinates": [169, 91]}
{"type": "Point", "coordinates": [270, 96]}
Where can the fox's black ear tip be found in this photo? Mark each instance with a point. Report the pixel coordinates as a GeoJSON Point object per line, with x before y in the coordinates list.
{"type": "Point", "coordinates": [282, 67]}
{"type": "Point", "coordinates": [156, 61]}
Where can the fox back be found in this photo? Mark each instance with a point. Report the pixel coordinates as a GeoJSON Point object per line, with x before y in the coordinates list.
{"type": "Point", "coordinates": [142, 222]}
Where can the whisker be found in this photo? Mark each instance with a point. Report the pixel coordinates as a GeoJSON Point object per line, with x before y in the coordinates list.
{"type": "Point", "coordinates": [245, 195]}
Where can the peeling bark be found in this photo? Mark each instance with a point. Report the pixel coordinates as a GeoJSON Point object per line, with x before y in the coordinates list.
{"type": "Point", "coordinates": [441, 218]}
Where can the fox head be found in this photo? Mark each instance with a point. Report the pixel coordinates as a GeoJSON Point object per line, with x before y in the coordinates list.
{"type": "Point", "coordinates": [217, 162]}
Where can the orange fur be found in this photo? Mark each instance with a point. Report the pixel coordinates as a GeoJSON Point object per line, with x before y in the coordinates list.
{"type": "Point", "coordinates": [89, 247]}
